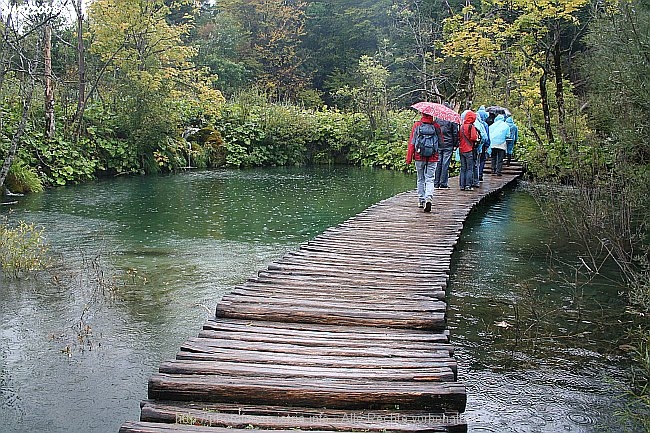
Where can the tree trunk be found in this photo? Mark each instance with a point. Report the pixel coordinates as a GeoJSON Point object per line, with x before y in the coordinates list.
{"type": "Point", "coordinates": [559, 83]}
{"type": "Point", "coordinates": [15, 140]}
{"type": "Point", "coordinates": [4, 51]}
{"type": "Point", "coordinates": [49, 91]}
{"type": "Point", "coordinates": [469, 90]}
{"type": "Point", "coordinates": [543, 91]}
{"type": "Point", "coordinates": [81, 64]}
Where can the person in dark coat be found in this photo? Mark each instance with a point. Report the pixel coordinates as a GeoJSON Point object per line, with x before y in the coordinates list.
{"type": "Point", "coordinates": [446, 150]}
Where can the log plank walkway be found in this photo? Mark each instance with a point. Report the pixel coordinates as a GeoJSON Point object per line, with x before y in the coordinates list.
{"type": "Point", "coordinates": [348, 333]}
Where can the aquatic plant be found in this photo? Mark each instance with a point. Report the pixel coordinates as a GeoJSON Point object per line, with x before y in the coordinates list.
{"type": "Point", "coordinates": [22, 248]}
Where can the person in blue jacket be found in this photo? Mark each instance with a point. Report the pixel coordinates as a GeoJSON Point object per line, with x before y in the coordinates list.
{"type": "Point", "coordinates": [481, 116]}
{"type": "Point", "coordinates": [499, 133]}
{"type": "Point", "coordinates": [512, 141]}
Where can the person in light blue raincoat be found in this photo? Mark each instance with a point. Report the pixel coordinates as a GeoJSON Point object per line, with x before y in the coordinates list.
{"type": "Point", "coordinates": [499, 133]}
{"type": "Point", "coordinates": [512, 141]}
{"type": "Point", "coordinates": [482, 115]}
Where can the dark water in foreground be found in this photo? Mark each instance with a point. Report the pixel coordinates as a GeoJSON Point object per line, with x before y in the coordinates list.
{"type": "Point", "coordinates": [143, 262]}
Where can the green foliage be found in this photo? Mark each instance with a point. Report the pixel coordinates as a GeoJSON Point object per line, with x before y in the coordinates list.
{"type": "Point", "coordinates": [637, 411]}
{"type": "Point", "coordinates": [155, 90]}
{"type": "Point", "coordinates": [272, 48]}
{"type": "Point", "coordinates": [23, 179]}
{"type": "Point", "coordinates": [60, 162]}
{"type": "Point", "coordinates": [337, 34]}
{"type": "Point", "coordinates": [390, 150]}
{"type": "Point", "coordinates": [616, 67]}
{"type": "Point", "coordinates": [22, 248]}
{"type": "Point", "coordinates": [564, 163]}
{"type": "Point", "coordinates": [272, 134]}
{"type": "Point", "coordinates": [370, 95]}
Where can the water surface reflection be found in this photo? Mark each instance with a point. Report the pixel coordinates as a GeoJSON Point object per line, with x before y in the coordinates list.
{"type": "Point", "coordinates": [145, 260]}
{"type": "Point", "coordinates": [537, 355]}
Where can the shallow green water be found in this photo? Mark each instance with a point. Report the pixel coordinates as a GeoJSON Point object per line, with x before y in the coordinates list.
{"type": "Point", "coordinates": [537, 355]}
{"type": "Point", "coordinates": [143, 262]}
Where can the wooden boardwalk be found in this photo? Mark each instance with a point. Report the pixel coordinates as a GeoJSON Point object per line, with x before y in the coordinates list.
{"type": "Point", "coordinates": [347, 333]}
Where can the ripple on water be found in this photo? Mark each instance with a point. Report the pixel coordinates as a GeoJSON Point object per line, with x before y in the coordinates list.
{"type": "Point", "coordinates": [580, 418]}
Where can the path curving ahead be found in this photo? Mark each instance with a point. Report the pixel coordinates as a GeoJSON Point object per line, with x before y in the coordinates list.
{"type": "Point", "coordinates": [347, 333]}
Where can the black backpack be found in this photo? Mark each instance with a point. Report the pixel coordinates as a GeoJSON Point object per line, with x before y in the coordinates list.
{"type": "Point", "coordinates": [426, 140]}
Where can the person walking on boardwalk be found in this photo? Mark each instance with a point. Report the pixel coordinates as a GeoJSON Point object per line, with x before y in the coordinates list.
{"type": "Point", "coordinates": [424, 165]}
{"type": "Point", "coordinates": [499, 134]}
{"type": "Point", "coordinates": [512, 141]}
{"type": "Point", "coordinates": [481, 115]}
{"type": "Point", "coordinates": [468, 138]}
{"type": "Point", "coordinates": [446, 150]}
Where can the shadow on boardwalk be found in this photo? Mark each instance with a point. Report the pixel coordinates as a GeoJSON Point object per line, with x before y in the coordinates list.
{"type": "Point", "coordinates": [347, 333]}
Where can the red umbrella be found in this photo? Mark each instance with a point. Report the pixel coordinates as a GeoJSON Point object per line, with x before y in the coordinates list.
{"type": "Point", "coordinates": [437, 110]}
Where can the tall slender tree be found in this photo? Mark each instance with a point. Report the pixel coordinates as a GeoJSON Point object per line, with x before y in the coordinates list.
{"type": "Point", "coordinates": [81, 67]}
{"type": "Point", "coordinates": [50, 124]}
{"type": "Point", "coordinates": [21, 57]}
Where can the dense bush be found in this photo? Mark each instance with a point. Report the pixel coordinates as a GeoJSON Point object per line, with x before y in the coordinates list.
{"type": "Point", "coordinates": [272, 134]}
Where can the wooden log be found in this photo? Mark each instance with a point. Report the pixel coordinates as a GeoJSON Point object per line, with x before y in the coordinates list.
{"type": "Point", "coordinates": [410, 270]}
{"type": "Point", "coordinates": [334, 316]}
{"type": "Point", "coordinates": [361, 277]}
{"type": "Point", "coordinates": [229, 355]}
{"type": "Point", "coordinates": [210, 344]}
{"type": "Point", "coordinates": [329, 341]}
{"type": "Point", "coordinates": [430, 374]}
{"type": "Point", "coordinates": [270, 279]}
{"type": "Point", "coordinates": [397, 255]}
{"type": "Point", "coordinates": [340, 293]}
{"type": "Point", "coordinates": [387, 246]}
{"type": "Point", "coordinates": [359, 303]}
{"type": "Point", "coordinates": [310, 392]}
{"type": "Point", "coordinates": [416, 265]}
{"type": "Point", "coordinates": [342, 333]}
{"type": "Point", "coordinates": [151, 427]}
{"type": "Point", "coordinates": [324, 256]}
{"type": "Point", "coordinates": [283, 418]}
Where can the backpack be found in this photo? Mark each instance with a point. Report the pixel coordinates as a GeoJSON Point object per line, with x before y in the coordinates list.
{"type": "Point", "coordinates": [479, 140]}
{"type": "Point", "coordinates": [426, 140]}
{"type": "Point", "coordinates": [475, 144]}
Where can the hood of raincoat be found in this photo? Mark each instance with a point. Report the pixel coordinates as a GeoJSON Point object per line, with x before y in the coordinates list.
{"type": "Point", "coordinates": [509, 120]}
{"type": "Point", "coordinates": [470, 117]}
{"type": "Point", "coordinates": [426, 118]}
{"type": "Point", "coordinates": [482, 113]}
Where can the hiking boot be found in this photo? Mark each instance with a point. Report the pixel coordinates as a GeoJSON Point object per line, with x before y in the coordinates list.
{"type": "Point", "coordinates": [421, 203]}
{"type": "Point", "coordinates": [427, 206]}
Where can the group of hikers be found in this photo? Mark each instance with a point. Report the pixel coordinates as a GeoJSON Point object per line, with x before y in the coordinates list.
{"type": "Point", "coordinates": [486, 132]}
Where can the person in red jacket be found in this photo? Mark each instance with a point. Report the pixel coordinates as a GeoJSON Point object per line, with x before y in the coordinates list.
{"type": "Point", "coordinates": [468, 136]}
{"type": "Point", "coordinates": [425, 167]}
